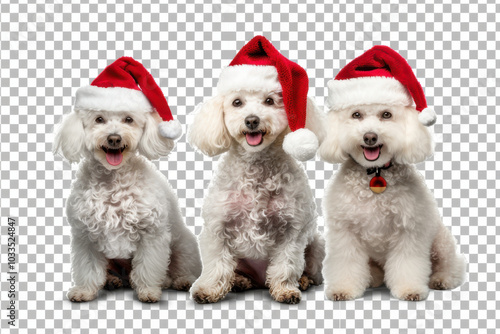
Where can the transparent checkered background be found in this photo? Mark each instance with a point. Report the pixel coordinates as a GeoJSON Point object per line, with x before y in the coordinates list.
{"type": "Point", "coordinates": [49, 50]}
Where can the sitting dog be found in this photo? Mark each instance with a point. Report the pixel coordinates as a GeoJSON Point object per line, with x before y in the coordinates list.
{"type": "Point", "coordinates": [260, 215]}
{"type": "Point", "coordinates": [382, 222]}
{"type": "Point", "coordinates": [121, 209]}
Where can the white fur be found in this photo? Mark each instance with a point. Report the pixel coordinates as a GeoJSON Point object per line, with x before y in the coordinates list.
{"type": "Point", "coordinates": [112, 99]}
{"type": "Point", "coordinates": [248, 77]}
{"type": "Point", "coordinates": [427, 117]}
{"type": "Point", "coordinates": [259, 204]}
{"type": "Point", "coordinates": [126, 211]}
{"type": "Point", "coordinates": [400, 229]}
{"type": "Point", "coordinates": [343, 94]}
{"type": "Point", "coordinates": [170, 129]}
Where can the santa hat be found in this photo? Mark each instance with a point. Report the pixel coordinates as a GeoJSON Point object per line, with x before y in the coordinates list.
{"type": "Point", "coordinates": [380, 75]}
{"type": "Point", "coordinates": [259, 66]}
{"type": "Point", "coordinates": [126, 85]}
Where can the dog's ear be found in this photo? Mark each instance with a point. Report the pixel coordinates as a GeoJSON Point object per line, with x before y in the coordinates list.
{"type": "Point", "coordinates": [152, 144]}
{"type": "Point", "coordinates": [418, 144]}
{"type": "Point", "coordinates": [69, 141]}
{"type": "Point", "coordinates": [315, 119]}
{"type": "Point", "coordinates": [330, 150]}
{"type": "Point", "coordinates": [208, 132]}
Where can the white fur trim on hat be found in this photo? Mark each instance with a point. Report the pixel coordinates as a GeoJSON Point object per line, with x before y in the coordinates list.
{"type": "Point", "coordinates": [301, 144]}
{"type": "Point", "coordinates": [248, 77]}
{"type": "Point", "coordinates": [366, 90]}
{"type": "Point", "coordinates": [427, 116]}
{"type": "Point", "coordinates": [111, 99]}
{"type": "Point", "coordinates": [170, 129]}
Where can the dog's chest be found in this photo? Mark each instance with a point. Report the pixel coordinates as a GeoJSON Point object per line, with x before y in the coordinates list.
{"type": "Point", "coordinates": [258, 215]}
{"type": "Point", "coordinates": [115, 216]}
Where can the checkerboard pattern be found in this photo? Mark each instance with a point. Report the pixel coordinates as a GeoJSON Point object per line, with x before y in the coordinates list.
{"type": "Point", "coordinates": [49, 50]}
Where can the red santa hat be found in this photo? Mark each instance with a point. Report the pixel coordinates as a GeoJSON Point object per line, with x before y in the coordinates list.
{"type": "Point", "coordinates": [380, 75]}
{"type": "Point", "coordinates": [126, 85]}
{"type": "Point", "coordinates": [259, 66]}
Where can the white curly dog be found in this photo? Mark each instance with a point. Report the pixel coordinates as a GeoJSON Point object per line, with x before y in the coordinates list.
{"type": "Point", "coordinates": [395, 236]}
{"type": "Point", "coordinates": [260, 215]}
{"type": "Point", "coordinates": [122, 207]}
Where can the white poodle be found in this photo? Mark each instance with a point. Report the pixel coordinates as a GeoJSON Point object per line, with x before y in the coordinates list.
{"type": "Point", "coordinates": [260, 215]}
{"type": "Point", "coordinates": [121, 207]}
{"type": "Point", "coordinates": [397, 232]}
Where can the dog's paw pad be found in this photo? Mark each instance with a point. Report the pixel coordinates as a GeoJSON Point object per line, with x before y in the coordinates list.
{"type": "Point", "coordinates": [439, 282]}
{"type": "Point", "coordinates": [149, 295]}
{"type": "Point", "coordinates": [241, 283]}
{"type": "Point", "coordinates": [339, 296]}
{"type": "Point", "coordinates": [80, 294]}
{"type": "Point", "coordinates": [113, 282]}
{"type": "Point", "coordinates": [201, 297]}
{"type": "Point", "coordinates": [305, 282]}
{"type": "Point", "coordinates": [182, 283]}
{"type": "Point", "coordinates": [412, 297]}
{"type": "Point", "coordinates": [287, 296]}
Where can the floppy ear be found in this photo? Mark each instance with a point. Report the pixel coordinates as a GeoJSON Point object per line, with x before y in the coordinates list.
{"type": "Point", "coordinates": [69, 141]}
{"type": "Point", "coordinates": [330, 150]}
{"type": "Point", "coordinates": [315, 119]}
{"type": "Point", "coordinates": [208, 132]}
{"type": "Point", "coordinates": [152, 144]}
{"type": "Point", "coordinates": [417, 144]}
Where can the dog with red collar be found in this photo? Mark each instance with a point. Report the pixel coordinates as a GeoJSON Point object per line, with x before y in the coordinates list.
{"type": "Point", "coordinates": [382, 221]}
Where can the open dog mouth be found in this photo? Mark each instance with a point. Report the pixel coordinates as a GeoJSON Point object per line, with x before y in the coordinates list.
{"type": "Point", "coordinates": [371, 153]}
{"type": "Point", "coordinates": [254, 138]}
{"type": "Point", "coordinates": [114, 156]}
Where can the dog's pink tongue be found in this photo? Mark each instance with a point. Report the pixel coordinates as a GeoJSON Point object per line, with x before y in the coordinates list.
{"type": "Point", "coordinates": [254, 138]}
{"type": "Point", "coordinates": [114, 158]}
{"type": "Point", "coordinates": [371, 153]}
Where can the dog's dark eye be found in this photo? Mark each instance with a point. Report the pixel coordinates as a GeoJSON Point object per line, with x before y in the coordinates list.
{"type": "Point", "coordinates": [99, 120]}
{"type": "Point", "coordinates": [128, 120]}
{"type": "Point", "coordinates": [269, 101]}
{"type": "Point", "coordinates": [237, 103]}
{"type": "Point", "coordinates": [386, 115]}
{"type": "Point", "coordinates": [356, 115]}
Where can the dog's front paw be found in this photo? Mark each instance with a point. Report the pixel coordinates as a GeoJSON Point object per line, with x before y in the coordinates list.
{"type": "Point", "coordinates": [205, 294]}
{"type": "Point", "coordinates": [340, 294]}
{"type": "Point", "coordinates": [287, 295]}
{"type": "Point", "coordinates": [183, 283]}
{"type": "Point", "coordinates": [441, 281]}
{"type": "Point", "coordinates": [305, 282]}
{"type": "Point", "coordinates": [81, 294]}
{"type": "Point", "coordinates": [411, 294]}
{"type": "Point", "coordinates": [149, 294]}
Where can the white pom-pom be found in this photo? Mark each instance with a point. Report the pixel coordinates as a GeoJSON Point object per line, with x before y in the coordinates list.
{"type": "Point", "coordinates": [427, 116]}
{"type": "Point", "coordinates": [301, 144]}
{"type": "Point", "coordinates": [170, 129]}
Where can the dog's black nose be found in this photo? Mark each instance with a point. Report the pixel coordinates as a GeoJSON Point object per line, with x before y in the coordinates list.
{"type": "Point", "coordinates": [114, 140]}
{"type": "Point", "coordinates": [370, 138]}
{"type": "Point", "coordinates": [252, 122]}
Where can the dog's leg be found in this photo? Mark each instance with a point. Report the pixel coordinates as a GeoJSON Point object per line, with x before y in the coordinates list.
{"type": "Point", "coordinates": [314, 255]}
{"type": "Point", "coordinates": [346, 270]}
{"type": "Point", "coordinates": [217, 277]}
{"type": "Point", "coordinates": [149, 266]}
{"type": "Point", "coordinates": [408, 268]}
{"type": "Point", "coordinates": [376, 273]}
{"type": "Point", "coordinates": [185, 264]}
{"type": "Point", "coordinates": [286, 265]}
{"type": "Point", "coordinates": [448, 267]}
{"type": "Point", "coordinates": [88, 267]}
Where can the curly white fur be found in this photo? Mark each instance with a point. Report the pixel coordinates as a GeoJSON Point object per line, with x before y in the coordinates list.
{"type": "Point", "coordinates": [399, 230]}
{"type": "Point", "coordinates": [127, 211]}
{"type": "Point", "coordinates": [259, 208]}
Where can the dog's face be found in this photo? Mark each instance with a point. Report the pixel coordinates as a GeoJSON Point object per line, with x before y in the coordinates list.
{"type": "Point", "coordinates": [110, 137]}
{"type": "Point", "coordinates": [254, 119]}
{"type": "Point", "coordinates": [375, 134]}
